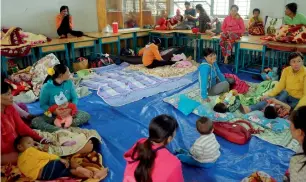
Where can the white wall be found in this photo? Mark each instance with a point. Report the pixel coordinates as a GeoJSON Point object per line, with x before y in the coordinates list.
{"type": "Point", "coordinates": [38, 16]}
{"type": "Point", "coordinates": [273, 8]}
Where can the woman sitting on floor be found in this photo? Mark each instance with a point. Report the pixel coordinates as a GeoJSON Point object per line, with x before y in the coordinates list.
{"type": "Point", "coordinates": [64, 24]}
{"type": "Point", "coordinates": [212, 81]}
{"type": "Point", "coordinates": [57, 84]}
{"type": "Point", "coordinates": [12, 126]}
{"type": "Point", "coordinates": [151, 57]}
{"type": "Point", "coordinates": [292, 17]}
{"type": "Point", "coordinates": [291, 88]}
{"type": "Point", "coordinates": [256, 26]}
{"type": "Point", "coordinates": [149, 159]}
{"type": "Point", "coordinates": [232, 29]}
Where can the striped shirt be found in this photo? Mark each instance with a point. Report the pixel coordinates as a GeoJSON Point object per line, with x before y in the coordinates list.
{"type": "Point", "coordinates": [205, 149]}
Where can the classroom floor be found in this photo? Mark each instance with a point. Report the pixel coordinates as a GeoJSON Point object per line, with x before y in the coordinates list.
{"type": "Point", "coordinates": [121, 127]}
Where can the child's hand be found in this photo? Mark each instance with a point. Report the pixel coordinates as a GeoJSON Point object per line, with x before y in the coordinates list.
{"type": "Point", "coordinates": [207, 100]}
{"type": "Point", "coordinates": [65, 162]}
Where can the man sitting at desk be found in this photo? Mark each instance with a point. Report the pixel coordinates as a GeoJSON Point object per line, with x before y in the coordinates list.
{"type": "Point", "coordinates": [190, 18]}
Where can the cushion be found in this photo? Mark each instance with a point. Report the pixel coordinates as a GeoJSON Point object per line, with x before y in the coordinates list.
{"type": "Point", "coordinates": [277, 124]}
{"type": "Point", "coordinates": [187, 105]}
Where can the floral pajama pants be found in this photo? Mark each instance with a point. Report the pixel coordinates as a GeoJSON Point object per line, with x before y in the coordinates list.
{"type": "Point", "coordinates": [227, 42]}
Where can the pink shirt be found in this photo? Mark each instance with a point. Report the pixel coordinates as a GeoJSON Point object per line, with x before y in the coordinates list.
{"type": "Point", "coordinates": [167, 168]}
{"type": "Point", "coordinates": [231, 24]}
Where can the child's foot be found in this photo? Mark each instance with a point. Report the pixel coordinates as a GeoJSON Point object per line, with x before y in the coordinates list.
{"type": "Point", "coordinates": [84, 172]}
{"type": "Point", "coordinates": [226, 60]}
{"type": "Point", "coordinates": [101, 174]}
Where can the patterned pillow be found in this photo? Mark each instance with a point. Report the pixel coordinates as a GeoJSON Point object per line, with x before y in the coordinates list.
{"type": "Point", "coordinates": [277, 125]}
{"type": "Point", "coordinates": [207, 111]}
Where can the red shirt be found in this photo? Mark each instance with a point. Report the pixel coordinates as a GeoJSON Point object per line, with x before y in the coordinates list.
{"type": "Point", "coordinates": [11, 127]}
{"type": "Point", "coordinates": [166, 167]}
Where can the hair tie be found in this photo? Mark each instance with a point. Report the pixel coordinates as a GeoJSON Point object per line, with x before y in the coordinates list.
{"type": "Point", "coordinates": [50, 71]}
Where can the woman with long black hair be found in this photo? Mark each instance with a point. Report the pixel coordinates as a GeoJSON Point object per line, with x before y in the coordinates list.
{"type": "Point", "coordinates": [149, 160]}
{"type": "Point", "coordinates": [64, 24]}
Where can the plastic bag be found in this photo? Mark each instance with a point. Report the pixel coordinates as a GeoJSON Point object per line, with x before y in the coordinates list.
{"type": "Point", "coordinates": [108, 29]}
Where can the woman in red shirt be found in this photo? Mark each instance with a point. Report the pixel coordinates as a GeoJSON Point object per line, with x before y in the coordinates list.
{"type": "Point", "coordinates": [12, 126]}
{"type": "Point", "coordinates": [232, 29]}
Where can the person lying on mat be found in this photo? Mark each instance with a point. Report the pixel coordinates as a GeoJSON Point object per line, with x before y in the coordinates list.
{"type": "Point", "coordinates": [37, 164]}
{"type": "Point", "coordinates": [206, 150]}
{"type": "Point", "coordinates": [151, 57]}
{"type": "Point", "coordinates": [232, 29]}
{"type": "Point", "coordinates": [212, 81]}
{"type": "Point", "coordinates": [292, 16]}
{"type": "Point", "coordinates": [58, 86]}
{"type": "Point", "coordinates": [291, 89]}
{"type": "Point", "coordinates": [64, 24]}
{"type": "Point", "coordinates": [149, 159]}
{"type": "Point", "coordinates": [12, 126]}
{"type": "Point", "coordinates": [297, 166]}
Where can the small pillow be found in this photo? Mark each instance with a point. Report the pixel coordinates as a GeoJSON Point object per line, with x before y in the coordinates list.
{"type": "Point", "coordinates": [277, 124]}
{"type": "Point", "coordinates": [187, 105]}
{"type": "Point", "coordinates": [205, 110]}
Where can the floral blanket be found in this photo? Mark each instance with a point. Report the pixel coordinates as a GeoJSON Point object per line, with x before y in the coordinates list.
{"type": "Point", "coordinates": [16, 43]}
{"type": "Point", "coordinates": [289, 34]}
{"type": "Point", "coordinates": [165, 71]}
{"type": "Point", "coordinates": [283, 139]}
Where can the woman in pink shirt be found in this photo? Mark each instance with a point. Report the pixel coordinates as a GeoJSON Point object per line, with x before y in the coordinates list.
{"type": "Point", "coordinates": [232, 29]}
{"type": "Point", "coordinates": [149, 160]}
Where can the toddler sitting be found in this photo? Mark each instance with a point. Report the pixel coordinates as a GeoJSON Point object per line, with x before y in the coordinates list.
{"type": "Point", "coordinates": [40, 165]}
{"type": "Point", "coordinates": [205, 150]}
{"type": "Point", "coordinates": [62, 104]}
{"type": "Point", "coordinates": [228, 102]}
{"type": "Point", "coordinates": [269, 74]}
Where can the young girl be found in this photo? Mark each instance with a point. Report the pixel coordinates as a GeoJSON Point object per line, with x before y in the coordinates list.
{"type": "Point", "coordinates": [149, 160]}
{"type": "Point", "coordinates": [204, 21]}
{"type": "Point", "coordinates": [212, 81]}
{"type": "Point", "coordinates": [256, 26]}
{"type": "Point", "coordinates": [297, 167]}
{"type": "Point", "coordinates": [64, 24]}
{"type": "Point", "coordinates": [56, 84]}
{"type": "Point", "coordinates": [151, 57]}
{"type": "Point", "coordinates": [232, 29]}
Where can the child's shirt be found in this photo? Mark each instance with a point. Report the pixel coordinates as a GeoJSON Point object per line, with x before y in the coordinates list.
{"type": "Point", "coordinates": [231, 100]}
{"type": "Point", "coordinates": [71, 106]}
{"type": "Point", "coordinates": [32, 161]}
{"type": "Point", "coordinates": [59, 18]}
{"type": "Point", "coordinates": [205, 149]}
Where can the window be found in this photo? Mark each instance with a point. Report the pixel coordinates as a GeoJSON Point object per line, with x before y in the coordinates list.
{"type": "Point", "coordinates": [155, 6]}
{"type": "Point", "coordinates": [219, 8]}
{"type": "Point", "coordinates": [180, 4]}
{"type": "Point", "coordinates": [244, 7]}
{"type": "Point", "coordinates": [130, 6]}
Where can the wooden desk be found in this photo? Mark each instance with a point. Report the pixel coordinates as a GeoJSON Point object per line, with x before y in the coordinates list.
{"type": "Point", "coordinates": [106, 38]}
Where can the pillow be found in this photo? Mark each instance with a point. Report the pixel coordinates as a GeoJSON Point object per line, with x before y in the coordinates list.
{"type": "Point", "coordinates": [186, 105]}
{"type": "Point", "coordinates": [205, 110]}
{"type": "Point", "coordinates": [277, 124]}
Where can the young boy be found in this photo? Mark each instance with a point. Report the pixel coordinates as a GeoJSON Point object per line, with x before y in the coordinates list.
{"type": "Point", "coordinates": [205, 150]}
{"type": "Point", "coordinates": [256, 26]}
{"type": "Point", "coordinates": [40, 165]}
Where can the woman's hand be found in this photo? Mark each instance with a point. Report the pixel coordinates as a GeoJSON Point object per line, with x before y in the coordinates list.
{"type": "Point", "coordinates": [262, 98]}
{"type": "Point", "coordinates": [66, 162]}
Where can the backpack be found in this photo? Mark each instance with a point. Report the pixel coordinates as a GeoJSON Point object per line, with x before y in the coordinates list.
{"type": "Point", "coordinates": [235, 132]}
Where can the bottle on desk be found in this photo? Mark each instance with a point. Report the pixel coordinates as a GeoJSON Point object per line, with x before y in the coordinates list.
{"type": "Point", "coordinates": [115, 27]}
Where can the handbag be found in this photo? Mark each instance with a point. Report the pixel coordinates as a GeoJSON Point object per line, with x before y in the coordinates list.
{"type": "Point", "coordinates": [235, 132]}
